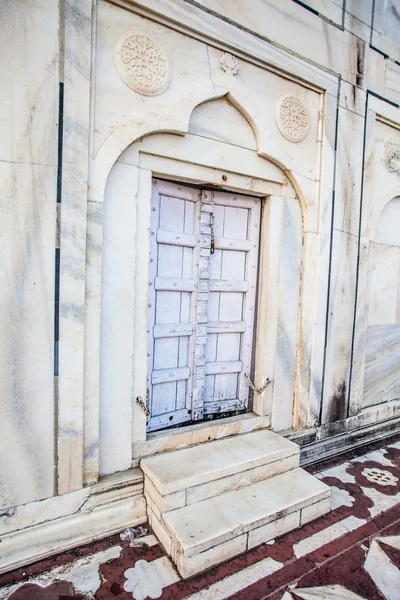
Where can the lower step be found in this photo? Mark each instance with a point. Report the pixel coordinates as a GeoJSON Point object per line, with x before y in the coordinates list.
{"type": "Point", "coordinates": [200, 536]}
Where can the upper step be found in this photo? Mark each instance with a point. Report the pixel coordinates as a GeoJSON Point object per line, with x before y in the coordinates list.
{"type": "Point", "coordinates": [183, 469]}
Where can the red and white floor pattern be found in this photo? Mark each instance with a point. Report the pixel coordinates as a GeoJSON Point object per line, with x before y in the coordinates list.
{"type": "Point", "coordinates": [352, 553]}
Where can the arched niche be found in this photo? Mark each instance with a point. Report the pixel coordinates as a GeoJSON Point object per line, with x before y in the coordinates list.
{"type": "Point", "coordinates": [381, 377]}
{"type": "Point", "coordinates": [117, 274]}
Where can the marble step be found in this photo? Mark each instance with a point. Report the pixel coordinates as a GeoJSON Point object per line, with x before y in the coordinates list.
{"type": "Point", "coordinates": [188, 476]}
{"type": "Point", "coordinates": [205, 534]}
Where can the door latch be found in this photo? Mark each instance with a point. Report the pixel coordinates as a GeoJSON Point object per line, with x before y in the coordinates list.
{"type": "Point", "coordinates": [144, 404]}
{"type": "Point", "coordinates": [259, 390]}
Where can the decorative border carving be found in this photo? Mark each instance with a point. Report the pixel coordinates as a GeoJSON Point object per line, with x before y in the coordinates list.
{"type": "Point", "coordinates": [291, 118]}
{"type": "Point", "coordinates": [229, 63]}
{"type": "Point", "coordinates": [391, 154]}
{"type": "Point", "coordinates": [142, 64]}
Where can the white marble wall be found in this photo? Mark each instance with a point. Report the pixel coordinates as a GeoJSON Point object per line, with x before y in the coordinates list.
{"type": "Point", "coordinates": [28, 176]}
{"type": "Point", "coordinates": [95, 419]}
{"type": "Point", "coordinates": [75, 157]}
{"type": "Point", "coordinates": [343, 267]}
{"type": "Point", "coordinates": [375, 379]}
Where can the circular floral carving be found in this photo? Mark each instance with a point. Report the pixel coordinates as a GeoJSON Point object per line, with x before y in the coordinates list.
{"type": "Point", "coordinates": [292, 118]}
{"type": "Point", "coordinates": [229, 63]}
{"type": "Point", "coordinates": [391, 154]}
{"type": "Point", "coordinates": [142, 63]}
{"type": "Point", "coordinates": [380, 476]}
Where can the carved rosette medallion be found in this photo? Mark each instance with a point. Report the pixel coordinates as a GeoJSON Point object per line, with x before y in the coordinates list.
{"type": "Point", "coordinates": [229, 63]}
{"type": "Point", "coordinates": [142, 63]}
{"type": "Point", "coordinates": [291, 118]}
{"type": "Point", "coordinates": [391, 154]}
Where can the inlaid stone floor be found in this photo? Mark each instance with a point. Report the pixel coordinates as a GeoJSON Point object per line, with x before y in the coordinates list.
{"type": "Point", "coordinates": [353, 552]}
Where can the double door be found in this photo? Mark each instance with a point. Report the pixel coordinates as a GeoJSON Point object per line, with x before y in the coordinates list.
{"type": "Point", "coordinates": [202, 300]}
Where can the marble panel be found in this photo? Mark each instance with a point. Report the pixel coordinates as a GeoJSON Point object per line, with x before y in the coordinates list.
{"type": "Point", "coordinates": [143, 204]}
{"type": "Point", "coordinates": [392, 83]}
{"type": "Point", "coordinates": [267, 318]}
{"type": "Point", "coordinates": [117, 319]}
{"type": "Point", "coordinates": [357, 27]}
{"type": "Point", "coordinates": [385, 35]}
{"type": "Point", "coordinates": [75, 152]}
{"type": "Point", "coordinates": [94, 233]}
{"type": "Point", "coordinates": [332, 10]}
{"type": "Point", "coordinates": [219, 119]}
{"type": "Point", "coordinates": [298, 30]}
{"type": "Point", "coordinates": [29, 82]}
{"type": "Point", "coordinates": [253, 84]}
{"type": "Point", "coordinates": [166, 502]}
{"type": "Point", "coordinates": [361, 324]}
{"type": "Point", "coordinates": [165, 441]}
{"type": "Point", "coordinates": [343, 276]}
{"type": "Point", "coordinates": [71, 328]}
{"type": "Point", "coordinates": [27, 235]}
{"type": "Point", "coordinates": [60, 535]}
{"type": "Point", "coordinates": [115, 102]}
{"type": "Point", "coordinates": [349, 171]}
{"type": "Point", "coordinates": [309, 513]}
{"type": "Point", "coordinates": [160, 531]}
{"type": "Point", "coordinates": [215, 488]}
{"type": "Point", "coordinates": [384, 273]}
{"type": "Point", "coordinates": [28, 155]}
{"type": "Point", "coordinates": [188, 567]}
{"type": "Point", "coordinates": [281, 466]}
{"type": "Point", "coordinates": [239, 581]}
{"type": "Point", "coordinates": [311, 348]}
{"type": "Point", "coordinates": [352, 98]}
{"type": "Point", "coordinates": [387, 231]}
{"type": "Point", "coordinates": [274, 529]}
{"type": "Point", "coordinates": [382, 379]}
{"type": "Point", "coordinates": [34, 513]}
{"type": "Point", "coordinates": [362, 10]}
{"type": "Point", "coordinates": [381, 184]}
{"type": "Point", "coordinates": [317, 540]}
{"type": "Point", "coordinates": [288, 320]}
{"type": "Point", "coordinates": [96, 500]}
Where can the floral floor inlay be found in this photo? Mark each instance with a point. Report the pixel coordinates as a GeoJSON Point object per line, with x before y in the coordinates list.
{"type": "Point", "coordinates": [351, 553]}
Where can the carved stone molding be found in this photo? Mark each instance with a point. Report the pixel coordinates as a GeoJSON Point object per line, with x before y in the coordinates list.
{"type": "Point", "coordinates": [391, 154]}
{"type": "Point", "coordinates": [142, 63]}
{"type": "Point", "coordinates": [229, 63]}
{"type": "Point", "coordinates": [291, 118]}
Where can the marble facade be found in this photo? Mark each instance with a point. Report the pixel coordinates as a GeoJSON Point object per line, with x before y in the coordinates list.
{"type": "Point", "coordinates": [82, 136]}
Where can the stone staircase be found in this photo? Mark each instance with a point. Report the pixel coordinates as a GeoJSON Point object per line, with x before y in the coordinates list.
{"type": "Point", "coordinates": [216, 500]}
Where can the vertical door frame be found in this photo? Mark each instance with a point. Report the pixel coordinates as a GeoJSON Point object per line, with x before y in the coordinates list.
{"type": "Point", "coordinates": [267, 301]}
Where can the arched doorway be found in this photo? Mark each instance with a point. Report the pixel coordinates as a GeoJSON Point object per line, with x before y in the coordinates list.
{"type": "Point", "coordinates": [260, 320]}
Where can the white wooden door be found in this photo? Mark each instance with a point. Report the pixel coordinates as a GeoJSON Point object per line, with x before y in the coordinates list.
{"type": "Point", "coordinates": [201, 302]}
{"type": "Point", "coordinates": [231, 302]}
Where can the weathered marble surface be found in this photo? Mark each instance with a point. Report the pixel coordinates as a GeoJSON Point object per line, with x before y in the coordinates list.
{"type": "Point", "coordinates": [378, 283]}
{"type": "Point", "coordinates": [28, 155]}
{"type": "Point", "coordinates": [343, 267]}
{"type": "Point", "coordinates": [302, 32]}
{"type": "Point", "coordinates": [382, 374]}
{"type": "Point", "coordinates": [76, 71]}
{"type": "Point", "coordinates": [96, 383]}
{"type": "Point", "coordinates": [117, 320]}
{"type": "Point", "coordinates": [385, 35]}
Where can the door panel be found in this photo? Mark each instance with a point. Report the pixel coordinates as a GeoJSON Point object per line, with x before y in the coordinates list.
{"type": "Point", "coordinates": [232, 288]}
{"type": "Point", "coordinates": [173, 254]}
{"type": "Point", "coordinates": [201, 304]}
